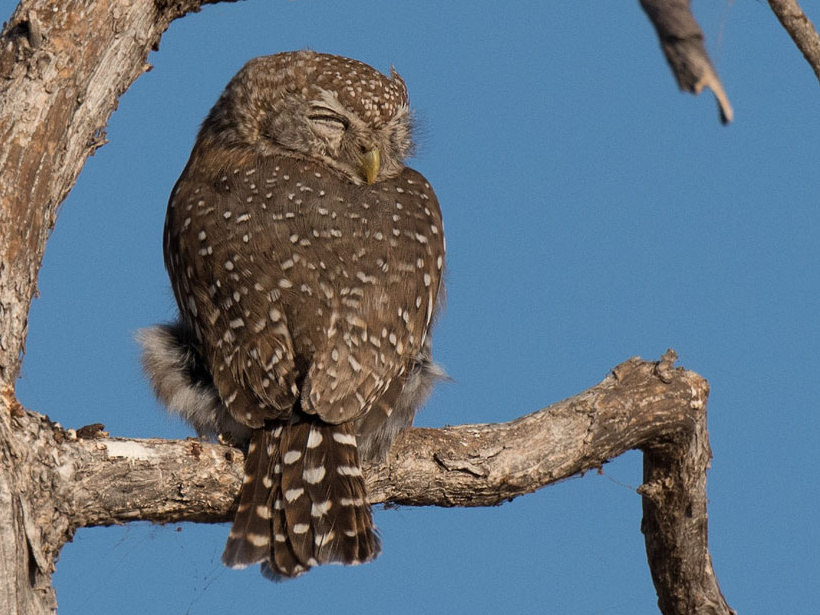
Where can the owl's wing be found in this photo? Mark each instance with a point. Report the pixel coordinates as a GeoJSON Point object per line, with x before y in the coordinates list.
{"type": "Point", "coordinates": [232, 297]}
{"type": "Point", "coordinates": [352, 371]}
{"type": "Point", "coordinates": [378, 327]}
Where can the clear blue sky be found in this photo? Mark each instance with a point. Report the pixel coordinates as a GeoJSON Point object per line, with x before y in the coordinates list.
{"type": "Point", "coordinates": [592, 212]}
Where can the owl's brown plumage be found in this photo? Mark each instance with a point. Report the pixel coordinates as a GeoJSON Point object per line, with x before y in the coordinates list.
{"type": "Point", "coordinates": [306, 261]}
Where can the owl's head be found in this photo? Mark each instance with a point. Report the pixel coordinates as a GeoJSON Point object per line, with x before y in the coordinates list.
{"type": "Point", "coordinates": [340, 112]}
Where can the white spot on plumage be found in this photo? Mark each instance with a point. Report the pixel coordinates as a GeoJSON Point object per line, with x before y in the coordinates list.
{"type": "Point", "coordinates": [319, 509]}
{"type": "Point", "coordinates": [344, 438]}
{"type": "Point", "coordinates": [351, 502]}
{"type": "Point", "coordinates": [322, 539]}
{"type": "Point", "coordinates": [313, 476]}
{"type": "Point", "coordinates": [291, 457]}
{"type": "Point", "coordinates": [314, 438]}
{"type": "Point", "coordinates": [257, 540]}
{"type": "Point", "coordinates": [349, 471]}
{"type": "Point", "coordinates": [367, 279]}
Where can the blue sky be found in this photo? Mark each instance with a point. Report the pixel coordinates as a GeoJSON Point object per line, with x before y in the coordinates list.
{"type": "Point", "coordinates": [592, 213]}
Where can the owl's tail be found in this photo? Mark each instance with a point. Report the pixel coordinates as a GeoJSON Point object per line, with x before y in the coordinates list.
{"type": "Point", "coordinates": [303, 502]}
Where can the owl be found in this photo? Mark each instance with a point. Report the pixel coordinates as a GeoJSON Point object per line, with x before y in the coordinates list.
{"type": "Point", "coordinates": [306, 261]}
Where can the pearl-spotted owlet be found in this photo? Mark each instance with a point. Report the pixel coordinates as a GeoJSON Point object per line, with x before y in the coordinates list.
{"type": "Point", "coordinates": [307, 264]}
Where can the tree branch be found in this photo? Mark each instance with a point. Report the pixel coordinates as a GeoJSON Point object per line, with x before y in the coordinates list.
{"type": "Point", "coordinates": [641, 405]}
{"type": "Point", "coordinates": [682, 42]}
{"type": "Point", "coordinates": [801, 29]}
{"type": "Point", "coordinates": [62, 72]}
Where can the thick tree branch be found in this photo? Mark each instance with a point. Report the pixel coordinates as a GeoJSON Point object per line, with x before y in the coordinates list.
{"type": "Point", "coordinates": [641, 405]}
{"type": "Point", "coordinates": [62, 69]}
{"type": "Point", "coordinates": [682, 42]}
{"type": "Point", "coordinates": [801, 29]}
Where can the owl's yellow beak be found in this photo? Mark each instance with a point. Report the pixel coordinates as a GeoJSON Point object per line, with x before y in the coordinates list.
{"type": "Point", "coordinates": [370, 165]}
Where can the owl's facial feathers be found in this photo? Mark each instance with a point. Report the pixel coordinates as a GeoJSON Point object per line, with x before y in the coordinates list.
{"type": "Point", "coordinates": [311, 105]}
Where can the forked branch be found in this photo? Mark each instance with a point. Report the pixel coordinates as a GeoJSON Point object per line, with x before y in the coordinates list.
{"type": "Point", "coordinates": [651, 406]}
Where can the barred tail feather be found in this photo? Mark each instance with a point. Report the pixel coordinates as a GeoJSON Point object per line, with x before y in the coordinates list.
{"type": "Point", "coordinates": [296, 502]}
{"type": "Point", "coordinates": [303, 502]}
{"type": "Point", "coordinates": [250, 539]}
{"type": "Point", "coordinates": [282, 562]}
{"type": "Point", "coordinates": [340, 514]}
{"type": "Point", "coordinates": [320, 513]}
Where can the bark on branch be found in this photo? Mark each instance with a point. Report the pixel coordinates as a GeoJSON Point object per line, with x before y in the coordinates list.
{"type": "Point", "coordinates": [641, 405]}
{"type": "Point", "coordinates": [801, 29]}
{"type": "Point", "coordinates": [682, 42]}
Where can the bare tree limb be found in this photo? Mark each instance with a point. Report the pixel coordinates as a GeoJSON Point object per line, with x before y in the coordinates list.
{"type": "Point", "coordinates": [641, 405]}
{"type": "Point", "coordinates": [801, 29]}
{"type": "Point", "coordinates": [682, 42]}
{"type": "Point", "coordinates": [62, 69]}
